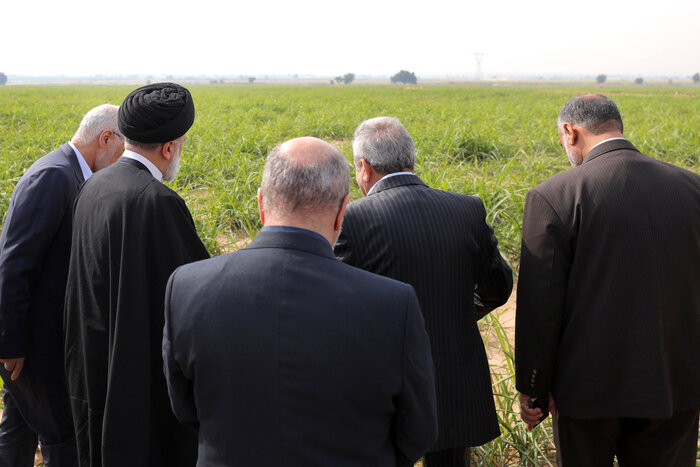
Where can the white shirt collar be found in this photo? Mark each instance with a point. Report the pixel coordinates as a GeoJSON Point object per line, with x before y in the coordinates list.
{"type": "Point", "coordinates": [388, 176]}
{"type": "Point", "coordinates": [84, 167]}
{"type": "Point", "coordinates": [606, 140]}
{"type": "Point", "coordinates": [149, 165]}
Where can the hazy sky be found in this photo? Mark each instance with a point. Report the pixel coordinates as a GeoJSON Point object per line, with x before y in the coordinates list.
{"type": "Point", "coordinates": [327, 37]}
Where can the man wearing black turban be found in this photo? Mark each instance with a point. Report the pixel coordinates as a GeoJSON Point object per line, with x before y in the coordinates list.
{"type": "Point", "coordinates": [130, 233]}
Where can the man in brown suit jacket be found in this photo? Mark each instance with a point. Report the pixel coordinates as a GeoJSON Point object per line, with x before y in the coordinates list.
{"type": "Point", "coordinates": [608, 316]}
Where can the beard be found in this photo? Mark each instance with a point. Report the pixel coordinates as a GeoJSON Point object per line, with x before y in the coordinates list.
{"type": "Point", "coordinates": [173, 167]}
{"type": "Point", "coordinates": [573, 158]}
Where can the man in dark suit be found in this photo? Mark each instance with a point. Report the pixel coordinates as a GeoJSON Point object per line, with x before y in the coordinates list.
{"type": "Point", "coordinates": [281, 355]}
{"type": "Point", "coordinates": [34, 253]}
{"type": "Point", "coordinates": [440, 243]}
{"type": "Point", "coordinates": [608, 315]}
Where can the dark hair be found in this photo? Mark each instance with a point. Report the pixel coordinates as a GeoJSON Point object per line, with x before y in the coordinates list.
{"type": "Point", "coordinates": [594, 112]}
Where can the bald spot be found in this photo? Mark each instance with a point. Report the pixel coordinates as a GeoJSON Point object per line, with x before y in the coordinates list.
{"type": "Point", "coordinates": [592, 97]}
{"type": "Point", "coordinates": [307, 150]}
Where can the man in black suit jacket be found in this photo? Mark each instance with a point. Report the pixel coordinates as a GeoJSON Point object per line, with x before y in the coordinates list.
{"type": "Point", "coordinates": [34, 253]}
{"type": "Point", "coordinates": [281, 355]}
{"type": "Point", "coordinates": [608, 316]}
{"type": "Point", "coordinates": [440, 243]}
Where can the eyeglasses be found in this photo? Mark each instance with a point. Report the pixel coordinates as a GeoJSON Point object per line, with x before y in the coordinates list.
{"type": "Point", "coordinates": [121, 138]}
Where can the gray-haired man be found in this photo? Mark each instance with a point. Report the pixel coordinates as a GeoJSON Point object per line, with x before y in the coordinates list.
{"type": "Point", "coordinates": [299, 360]}
{"type": "Point", "coordinates": [34, 252]}
{"type": "Point", "coordinates": [440, 243]}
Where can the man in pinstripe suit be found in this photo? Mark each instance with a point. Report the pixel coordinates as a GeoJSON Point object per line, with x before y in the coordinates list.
{"type": "Point", "coordinates": [440, 243]}
{"type": "Point", "coordinates": [608, 317]}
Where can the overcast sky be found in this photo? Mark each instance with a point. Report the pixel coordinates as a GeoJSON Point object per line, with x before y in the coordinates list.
{"type": "Point", "coordinates": [332, 37]}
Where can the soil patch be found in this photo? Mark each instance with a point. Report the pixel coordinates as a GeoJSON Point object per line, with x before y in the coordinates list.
{"type": "Point", "coordinates": [506, 316]}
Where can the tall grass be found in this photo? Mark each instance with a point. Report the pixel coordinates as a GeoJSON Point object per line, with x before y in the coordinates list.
{"type": "Point", "coordinates": [495, 143]}
{"type": "Point", "coordinates": [492, 142]}
{"type": "Point", "coordinates": [516, 445]}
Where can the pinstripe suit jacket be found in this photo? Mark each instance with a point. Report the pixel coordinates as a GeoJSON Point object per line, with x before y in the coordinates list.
{"type": "Point", "coordinates": [440, 243]}
{"type": "Point", "coordinates": [608, 313]}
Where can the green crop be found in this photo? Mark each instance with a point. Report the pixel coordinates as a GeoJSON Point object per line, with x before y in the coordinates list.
{"type": "Point", "coordinates": [495, 142]}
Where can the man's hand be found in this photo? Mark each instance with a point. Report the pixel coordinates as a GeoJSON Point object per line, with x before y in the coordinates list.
{"type": "Point", "coordinates": [14, 365]}
{"type": "Point", "coordinates": [532, 416]}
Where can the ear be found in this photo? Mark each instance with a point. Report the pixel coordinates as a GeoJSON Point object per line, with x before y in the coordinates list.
{"type": "Point", "coordinates": [260, 206]}
{"type": "Point", "coordinates": [367, 170]}
{"type": "Point", "coordinates": [104, 138]}
{"type": "Point", "coordinates": [167, 150]}
{"type": "Point", "coordinates": [570, 133]}
{"type": "Point", "coordinates": [341, 213]}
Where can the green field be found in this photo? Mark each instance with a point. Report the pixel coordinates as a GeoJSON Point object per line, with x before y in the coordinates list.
{"type": "Point", "coordinates": [495, 142]}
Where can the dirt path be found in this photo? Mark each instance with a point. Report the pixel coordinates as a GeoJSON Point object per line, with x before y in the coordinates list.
{"type": "Point", "coordinates": [506, 316]}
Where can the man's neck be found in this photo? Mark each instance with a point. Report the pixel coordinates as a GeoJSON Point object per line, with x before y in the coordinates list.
{"type": "Point", "coordinates": [87, 152]}
{"type": "Point", "coordinates": [379, 177]}
{"type": "Point", "coordinates": [594, 140]}
{"type": "Point", "coordinates": [292, 222]}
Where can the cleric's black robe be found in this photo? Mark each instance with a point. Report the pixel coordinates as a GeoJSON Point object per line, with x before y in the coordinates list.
{"type": "Point", "coordinates": [130, 233]}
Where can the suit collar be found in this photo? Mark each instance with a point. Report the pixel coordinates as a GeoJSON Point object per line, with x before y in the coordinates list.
{"type": "Point", "coordinates": [143, 162]}
{"type": "Point", "coordinates": [399, 180]}
{"type": "Point", "coordinates": [72, 157]}
{"type": "Point", "coordinates": [293, 240]}
{"type": "Point", "coordinates": [136, 163]}
{"type": "Point", "coordinates": [607, 147]}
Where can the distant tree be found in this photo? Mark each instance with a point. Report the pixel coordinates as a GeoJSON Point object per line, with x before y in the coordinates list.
{"type": "Point", "coordinates": [348, 78]}
{"type": "Point", "coordinates": [405, 77]}
{"type": "Point", "coordinates": [251, 79]}
{"type": "Point", "coordinates": [696, 78]}
{"type": "Point", "coordinates": [338, 79]}
{"type": "Point", "coordinates": [639, 80]}
{"type": "Point", "coordinates": [3, 79]}
{"type": "Point", "coordinates": [600, 79]}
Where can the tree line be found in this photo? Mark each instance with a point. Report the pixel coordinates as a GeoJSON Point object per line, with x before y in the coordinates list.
{"type": "Point", "coordinates": [403, 76]}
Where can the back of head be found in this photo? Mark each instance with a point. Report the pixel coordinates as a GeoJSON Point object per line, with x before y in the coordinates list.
{"type": "Point", "coordinates": [155, 114]}
{"type": "Point", "coordinates": [594, 112]}
{"type": "Point", "coordinates": [385, 144]}
{"type": "Point", "coordinates": [103, 117]}
{"type": "Point", "coordinates": [304, 176]}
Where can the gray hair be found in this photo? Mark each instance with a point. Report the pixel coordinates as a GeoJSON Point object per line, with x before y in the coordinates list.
{"type": "Point", "coordinates": [101, 118]}
{"type": "Point", "coordinates": [594, 112]}
{"type": "Point", "coordinates": [385, 144]}
{"type": "Point", "coordinates": [305, 187]}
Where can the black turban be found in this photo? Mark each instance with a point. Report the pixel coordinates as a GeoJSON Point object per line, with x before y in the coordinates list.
{"type": "Point", "coordinates": [156, 113]}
